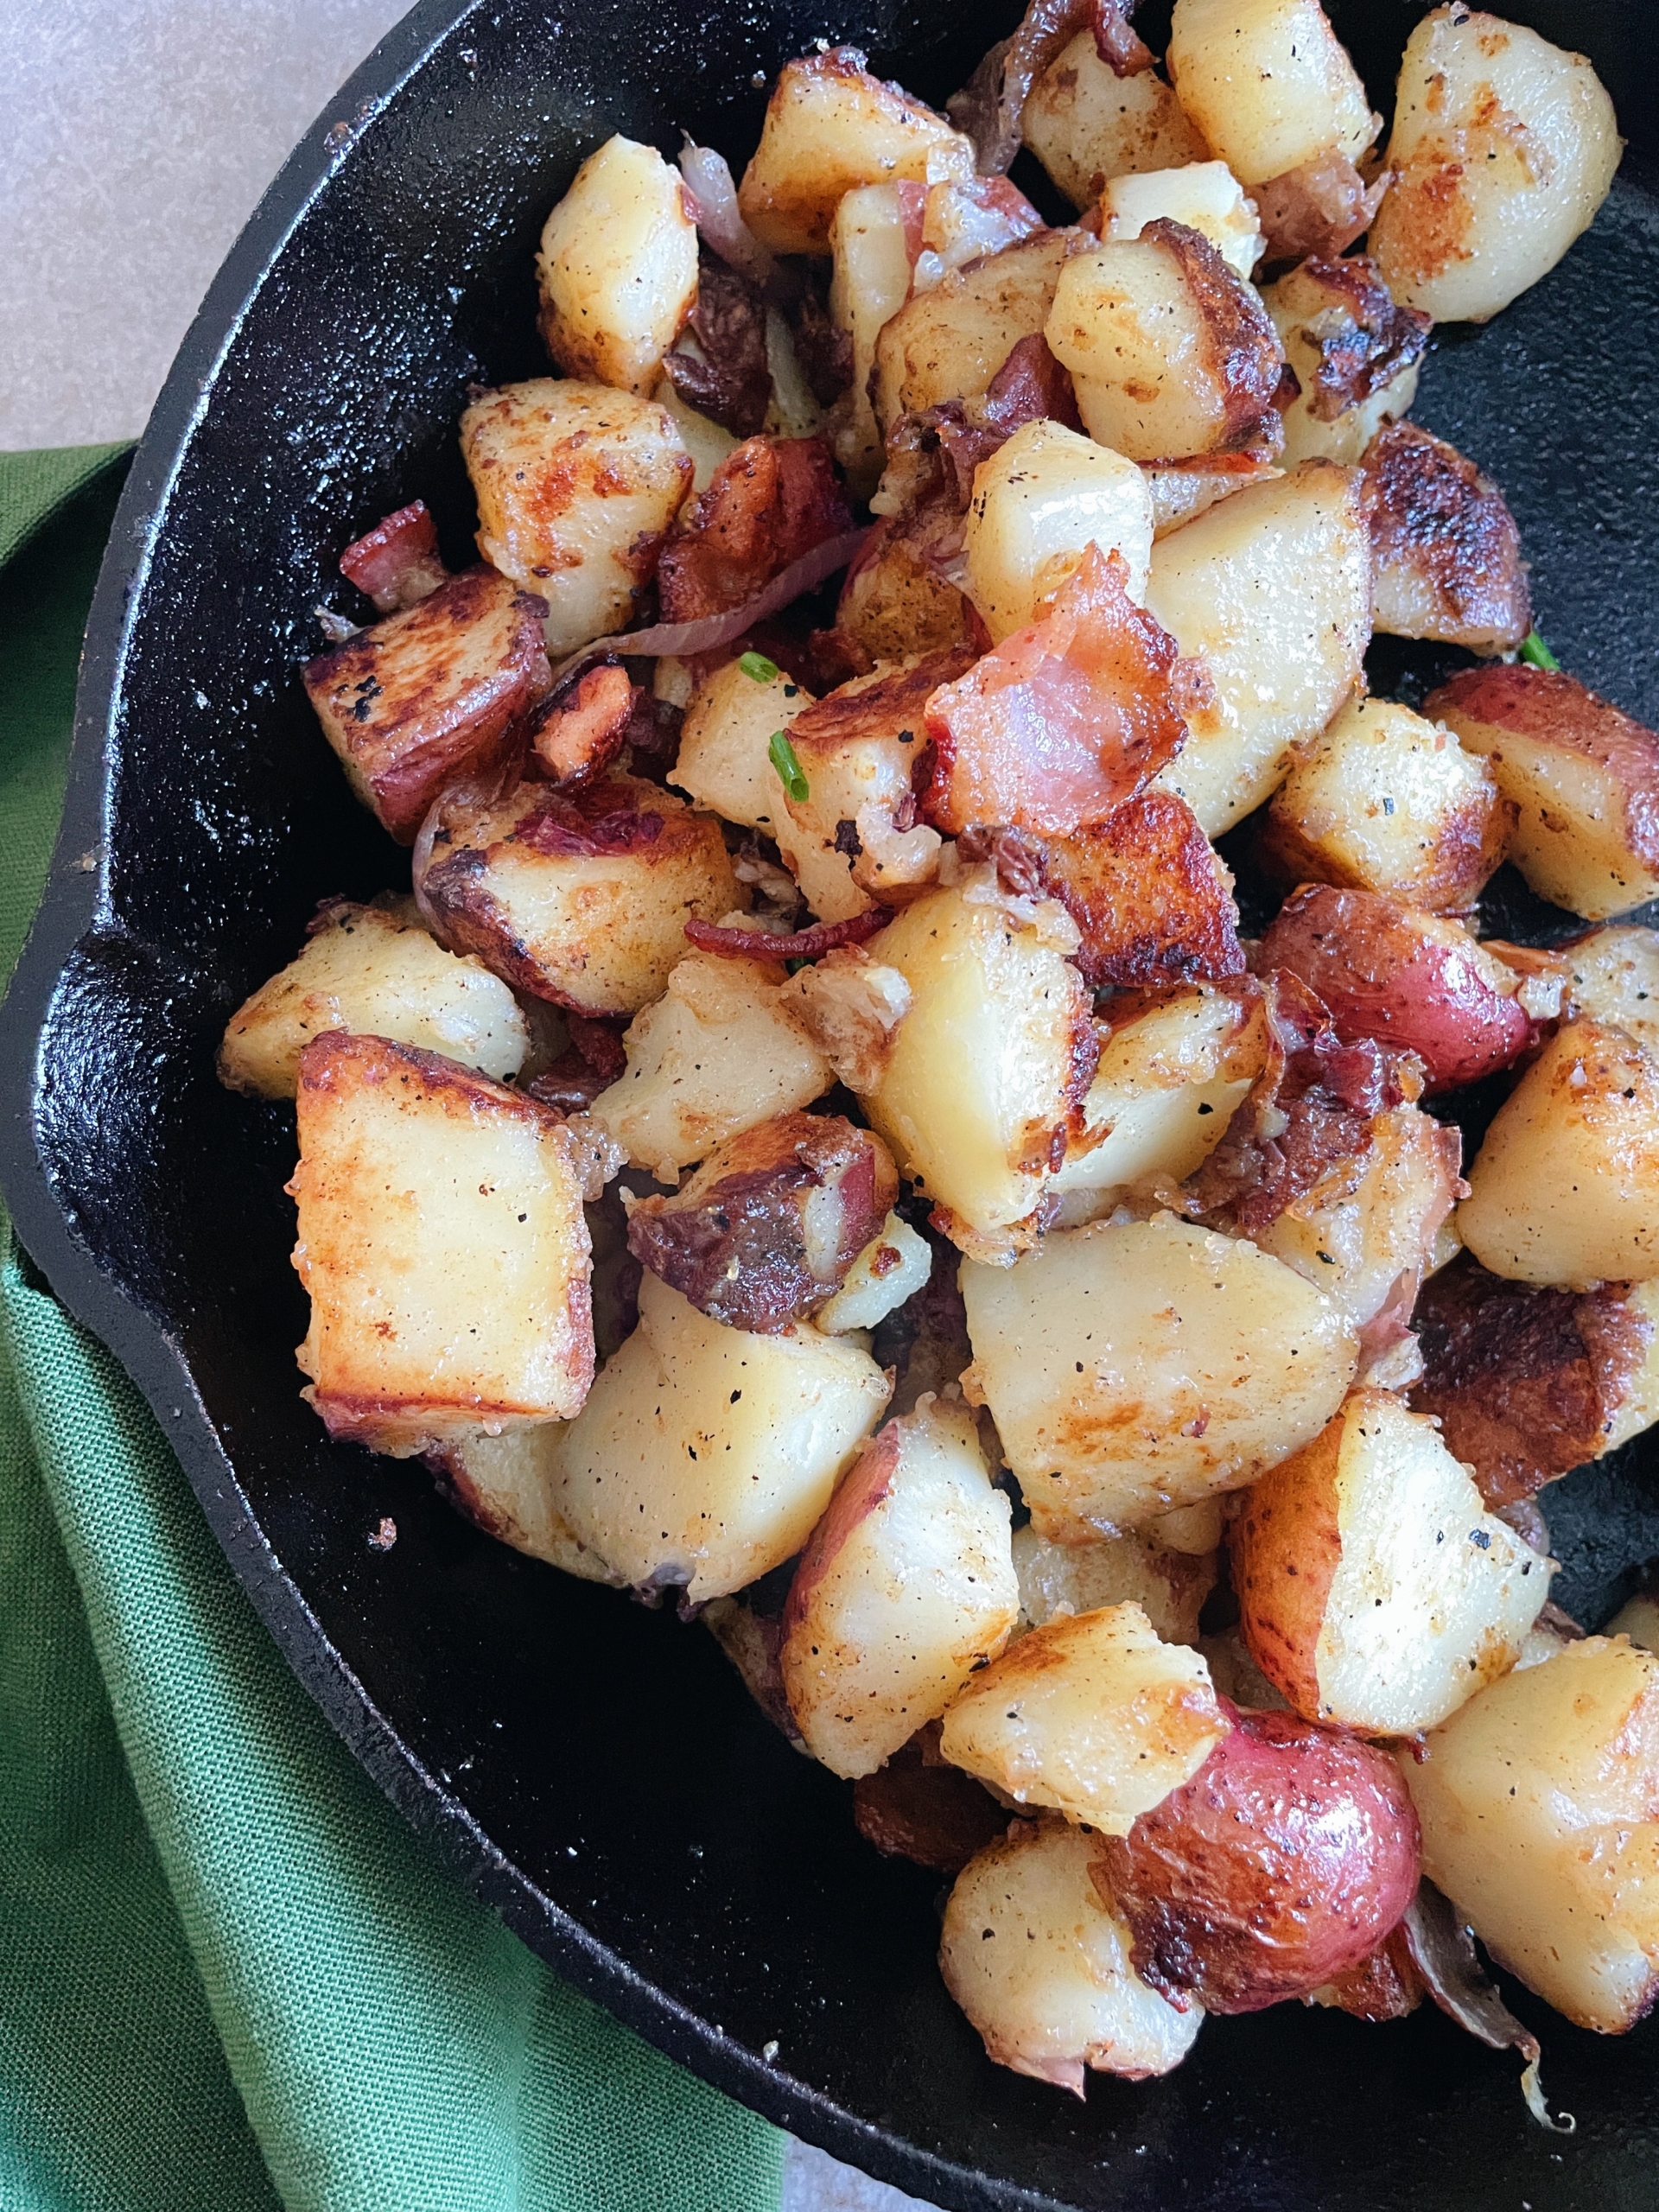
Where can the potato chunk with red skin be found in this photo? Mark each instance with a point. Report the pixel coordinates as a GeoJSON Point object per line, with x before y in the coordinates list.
{"type": "Point", "coordinates": [916, 1807]}
{"type": "Point", "coordinates": [1446, 552]}
{"type": "Point", "coordinates": [432, 694]}
{"type": "Point", "coordinates": [580, 897]}
{"type": "Point", "coordinates": [768, 503]}
{"type": "Point", "coordinates": [1038, 1957]}
{"type": "Point", "coordinates": [1086, 124]}
{"type": "Point", "coordinates": [1267, 83]}
{"type": "Point", "coordinates": [443, 1243]}
{"type": "Point", "coordinates": [504, 1486]}
{"type": "Point", "coordinates": [906, 1586]}
{"type": "Point", "coordinates": [1537, 1803]}
{"type": "Point", "coordinates": [1284, 1862]}
{"type": "Point", "coordinates": [1584, 775]}
{"type": "Point", "coordinates": [1374, 1590]}
{"type": "Point", "coordinates": [1410, 980]}
{"type": "Point", "coordinates": [1150, 894]}
{"type": "Point", "coordinates": [949, 343]}
{"type": "Point", "coordinates": [767, 1229]}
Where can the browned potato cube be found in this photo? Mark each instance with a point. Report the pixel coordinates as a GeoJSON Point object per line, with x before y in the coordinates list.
{"type": "Point", "coordinates": [1354, 351]}
{"type": "Point", "coordinates": [1613, 976]}
{"type": "Point", "coordinates": [618, 267]}
{"type": "Point", "coordinates": [1086, 124]}
{"type": "Point", "coordinates": [1444, 549]}
{"type": "Point", "coordinates": [1152, 897]}
{"type": "Point", "coordinates": [431, 695]}
{"type": "Point", "coordinates": [442, 1242]}
{"type": "Point", "coordinates": [949, 343]}
{"type": "Point", "coordinates": [579, 896]}
{"type": "Point", "coordinates": [505, 1485]}
{"type": "Point", "coordinates": [1267, 84]}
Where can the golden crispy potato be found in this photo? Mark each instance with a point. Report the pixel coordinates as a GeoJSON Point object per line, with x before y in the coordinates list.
{"type": "Point", "coordinates": [369, 970]}
{"type": "Point", "coordinates": [1134, 1368]}
{"type": "Point", "coordinates": [505, 1485]}
{"type": "Point", "coordinates": [724, 760]}
{"type": "Point", "coordinates": [893, 1266]}
{"type": "Point", "coordinates": [1583, 776]}
{"type": "Point", "coordinates": [576, 485]}
{"type": "Point", "coordinates": [1205, 195]}
{"type": "Point", "coordinates": [1090, 1714]}
{"type": "Point", "coordinates": [1566, 1187]}
{"type": "Point", "coordinates": [720, 1051]}
{"type": "Point", "coordinates": [906, 1586]}
{"type": "Point", "coordinates": [830, 127]}
{"type": "Point", "coordinates": [1386, 801]}
{"type": "Point", "coordinates": [442, 1242]}
{"type": "Point", "coordinates": [1267, 84]}
{"type": "Point", "coordinates": [582, 896]}
{"type": "Point", "coordinates": [617, 268]}
{"type": "Point", "coordinates": [1503, 148]}
{"type": "Point", "coordinates": [1037, 502]}
{"type": "Point", "coordinates": [1041, 1964]}
{"type": "Point", "coordinates": [1537, 1808]}
{"type": "Point", "coordinates": [1355, 354]}
{"type": "Point", "coordinates": [1086, 124]}
{"type": "Point", "coordinates": [1272, 590]}
{"type": "Point", "coordinates": [1445, 553]}
{"type": "Point", "coordinates": [705, 1456]}
{"type": "Point", "coordinates": [1169, 1585]}
{"type": "Point", "coordinates": [432, 694]}
{"type": "Point", "coordinates": [874, 237]}
{"type": "Point", "coordinates": [1374, 1590]}
{"type": "Point", "coordinates": [1151, 895]}
{"type": "Point", "coordinates": [950, 342]}
{"type": "Point", "coordinates": [1613, 976]}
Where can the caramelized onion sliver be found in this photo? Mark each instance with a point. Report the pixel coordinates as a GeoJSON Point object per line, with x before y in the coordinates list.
{"type": "Point", "coordinates": [480, 790]}
{"type": "Point", "coordinates": [714, 203]}
{"type": "Point", "coordinates": [800, 945]}
{"type": "Point", "coordinates": [1443, 1950]}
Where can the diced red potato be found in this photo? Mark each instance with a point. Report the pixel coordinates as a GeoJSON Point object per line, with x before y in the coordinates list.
{"type": "Point", "coordinates": [1204, 195]}
{"type": "Point", "coordinates": [876, 235]}
{"type": "Point", "coordinates": [949, 343]}
{"type": "Point", "coordinates": [1038, 1960]}
{"type": "Point", "coordinates": [618, 267]}
{"type": "Point", "coordinates": [1267, 84]}
{"type": "Point", "coordinates": [431, 695]}
{"type": "Point", "coordinates": [1134, 1368]}
{"type": "Point", "coordinates": [1445, 551]}
{"type": "Point", "coordinates": [725, 763]}
{"type": "Point", "coordinates": [1583, 776]}
{"type": "Point", "coordinates": [1086, 124]}
{"type": "Point", "coordinates": [1565, 1188]}
{"type": "Point", "coordinates": [1411, 980]}
{"type": "Point", "coordinates": [906, 1586]}
{"type": "Point", "coordinates": [505, 1485]}
{"type": "Point", "coordinates": [1537, 1802]}
{"type": "Point", "coordinates": [1037, 502]}
{"type": "Point", "coordinates": [397, 562]}
{"type": "Point", "coordinates": [1386, 801]}
{"type": "Point", "coordinates": [1283, 1863]}
{"type": "Point", "coordinates": [1374, 1590]}
{"type": "Point", "coordinates": [1150, 894]}
{"type": "Point", "coordinates": [1169, 1585]}
{"type": "Point", "coordinates": [1355, 353]}
{"type": "Point", "coordinates": [767, 1229]}
{"type": "Point", "coordinates": [1613, 976]}
{"type": "Point", "coordinates": [705, 1456]}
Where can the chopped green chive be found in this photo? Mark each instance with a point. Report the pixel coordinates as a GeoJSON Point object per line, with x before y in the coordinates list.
{"type": "Point", "coordinates": [1537, 653]}
{"type": "Point", "coordinates": [757, 666]}
{"type": "Point", "coordinates": [782, 753]}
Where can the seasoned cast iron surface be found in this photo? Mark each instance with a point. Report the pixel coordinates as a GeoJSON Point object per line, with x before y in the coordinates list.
{"type": "Point", "coordinates": [596, 1769]}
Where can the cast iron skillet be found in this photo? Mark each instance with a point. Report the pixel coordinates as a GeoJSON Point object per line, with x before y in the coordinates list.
{"type": "Point", "coordinates": [595, 1769]}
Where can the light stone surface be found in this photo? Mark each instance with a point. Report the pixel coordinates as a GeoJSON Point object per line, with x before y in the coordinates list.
{"type": "Point", "coordinates": [138, 137]}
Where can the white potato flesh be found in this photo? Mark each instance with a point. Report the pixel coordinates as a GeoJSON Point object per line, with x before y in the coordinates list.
{"type": "Point", "coordinates": [575, 484]}
{"type": "Point", "coordinates": [1205, 195]}
{"type": "Point", "coordinates": [1374, 1588]}
{"type": "Point", "coordinates": [950, 342]}
{"type": "Point", "coordinates": [1305, 309]}
{"type": "Point", "coordinates": [1165, 1088]}
{"type": "Point", "coordinates": [1086, 124]}
{"type": "Point", "coordinates": [705, 1455]}
{"type": "Point", "coordinates": [706, 443]}
{"type": "Point", "coordinates": [831, 127]}
{"type": "Point", "coordinates": [892, 1268]}
{"type": "Point", "coordinates": [618, 267]}
{"type": "Point", "coordinates": [906, 1587]}
{"type": "Point", "coordinates": [1194, 1529]}
{"type": "Point", "coordinates": [443, 1245]}
{"type": "Point", "coordinates": [1170, 1586]}
{"type": "Point", "coordinates": [979, 1075]}
{"type": "Point", "coordinates": [1272, 590]}
{"type": "Point", "coordinates": [1614, 978]}
{"type": "Point", "coordinates": [1566, 1187]}
{"type": "Point", "coordinates": [1386, 801]}
{"type": "Point", "coordinates": [725, 756]}
{"type": "Point", "coordinates": [1090, 1714]}
{"type": "Point", "coordinates": [1134, 1367]}
{"type": "Point", "coordinates": [1638, 1618]}
{"type": "Point", "coordinates": [505, 1484]}
{"type": "Point", "coordinates": [1537, 1808]}
{"type": "Point", "coordinates": [1040, 1965]}
{"type": "Point", "coordinates": [371, 971]}
{"type": "Point", "coordinates": [858, 766]}
{"type": "Point", "coordinates": [1503, 148]}
{"type": "Point", "coordinates": [1039, 504]}
{"type": "Point", "coordinates": [1267, 83]}
{"type": "Point", "coordinates": [874, 251]}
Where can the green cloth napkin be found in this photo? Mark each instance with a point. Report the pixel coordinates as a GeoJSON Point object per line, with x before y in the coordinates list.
{"type": "Point", "coordinates": [230, 1978]}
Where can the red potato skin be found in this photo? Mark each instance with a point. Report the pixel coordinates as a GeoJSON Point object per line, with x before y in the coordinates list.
{"type": "Point", "coordinates": [769, 503]}
{"type": "Point", "coordinates": [1285, 1549]}
{"type": "Point", "coordinates": [1285, 1861]}
{"type": "Point", "coordinates": [1320, 208]}
{"type": "Point", "coordinates": [1385, 971]}
{"type": "Point", "coordinates": [868, 1484]}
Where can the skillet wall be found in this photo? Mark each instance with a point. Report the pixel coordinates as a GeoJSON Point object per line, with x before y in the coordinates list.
{"type": "Point", "coordinates": [596, 1769]}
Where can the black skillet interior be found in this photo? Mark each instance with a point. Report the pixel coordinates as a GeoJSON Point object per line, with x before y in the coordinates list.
{"type": "Point", "coordinates": [596, 1769]}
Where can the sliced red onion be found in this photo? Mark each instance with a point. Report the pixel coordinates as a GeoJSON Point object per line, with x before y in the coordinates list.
{"type": "Point", "coordinates": [710, 632]}
{"type": "Point", "coordinates": [484, 790]}
{"type": "Point", "coordinates": [714, 200]}
{"type": "Point", "coordinates": [800, 944]}
{"type": "Point", "coordinates": [1442, 1951]}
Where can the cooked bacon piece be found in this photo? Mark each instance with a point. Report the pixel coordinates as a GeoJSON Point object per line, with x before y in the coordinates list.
{"type": "Point", "coordinates": [1411, 980]}
{"type": "Point", "coordinates": [1063, 721]}
{"type": "Point", "coordinates": [1320, 208]}
{"type": "Point", "coordinates": [397, 562]}
{"type": "Point", "coordinates": [920, 1807]}
{"type": "Point", "coordinates": [578, 733]}
{"type": "Point", "coordinates": [1365, 349]}
{"type": "Point", "coordinates": [991, 105]}
{"type": "Point", "coordinates": [1526, 1383]}
{"type": "Point", "coordinates": [769, 503]}
{"type": "Point", "coordinates": [766, 1230]}
{"type": "Point", "coordinates": [800, 944]}
{"type": "Point", "coordinates": [732, 383]}
{"type": "Point", "coordinates": [1313, 1105]}
{"type": "Point", "coordinates": [924, 1341]}
{"type": "Point", "coordinates": [585, 823]}
{"type": "Point", "coordinates": [823, 348]}
{"type": "Point", "coordinates": [1446, 552]}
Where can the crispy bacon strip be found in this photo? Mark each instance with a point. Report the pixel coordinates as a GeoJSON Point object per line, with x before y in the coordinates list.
{"type": "Point", "coordinates": [770, 504]}
{"type": "Point", "coordinates": [397, 562]}
{"type": "Point", "coordinates": [731, 383]}
{"type": "Point", "coordinates": [800, 944]}
{"type": "Point", "coordinates": [1063, 722]}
